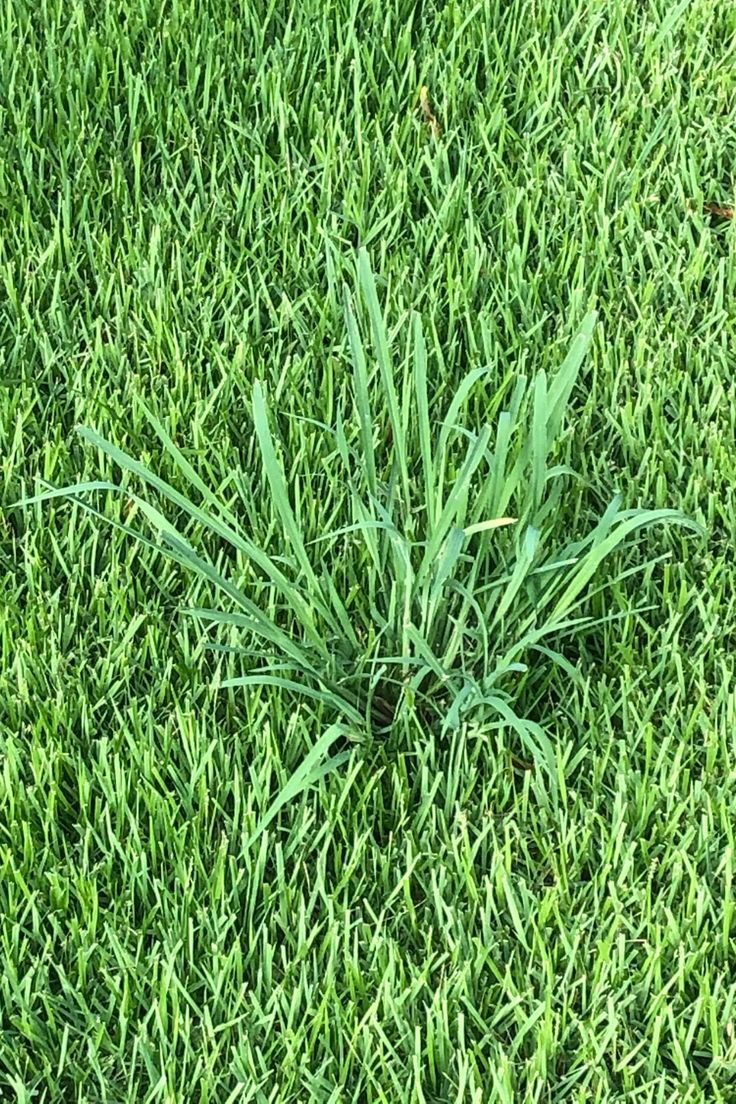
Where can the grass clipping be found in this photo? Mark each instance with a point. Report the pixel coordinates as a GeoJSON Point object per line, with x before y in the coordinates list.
{"type": "Point", "coordinates": [445, 540]}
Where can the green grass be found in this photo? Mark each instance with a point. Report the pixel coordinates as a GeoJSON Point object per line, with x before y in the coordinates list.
{"type": "Point", "coordinates": [186, 190]}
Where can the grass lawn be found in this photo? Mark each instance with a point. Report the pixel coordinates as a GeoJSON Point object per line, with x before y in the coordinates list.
{"type": "Point", "coordinates": [461, 826]}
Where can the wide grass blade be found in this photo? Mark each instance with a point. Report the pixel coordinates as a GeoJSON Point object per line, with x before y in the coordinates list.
{"type": "Point", "coordinates": [423, 422]}
{"type": "Point", "coordinates": [560, 388]}
{"type": "Point", "coordinates": [280, 495]}
{"type": "Point", "coordinates": [311, 770]}
{"type": "Point", "coordinates": [294, 598]}
{"type": "Point", "coordinates": [524, 562]}
{"type": "Point", "coordinates": [336, 702]}
{"type": "Point", "coordinates": [588, 566]}
{"type": "Point", "coordinates": [183, 465]}
{"type": "Point", "coordinates": [385, 365]}
{"type": "Point", "coordinates": [333, 609]}
{"type": "Point", "coordinates": [539, 443]}
{"type": "Point", "coordinates": [73, 493]}
{"type": "Point", "coordinates": [447, 427]}
{"type": "Point", "coordinates": [532, 736]}
{"type": "Point", "coordinates": [454, 504]}
{"type": "Point", "coordinates": [179, 548]}
{"type": "Point", "coordinates": [256, 622]}
{"type": "Point", "coordinates": [362, 397]}
{"type": "Point", "coordinates": [67, 492]}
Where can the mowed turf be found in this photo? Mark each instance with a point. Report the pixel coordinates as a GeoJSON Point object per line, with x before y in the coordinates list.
{"type": "Point", "coordinates": [185, 188]}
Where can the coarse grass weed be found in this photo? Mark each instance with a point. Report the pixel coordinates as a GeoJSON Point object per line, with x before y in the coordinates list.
{"type": "Point", "coordinates": [449, 598]}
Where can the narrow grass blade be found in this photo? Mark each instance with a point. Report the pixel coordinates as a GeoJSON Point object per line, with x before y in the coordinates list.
{"type": "Point", "coordinates": [512, 906]}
